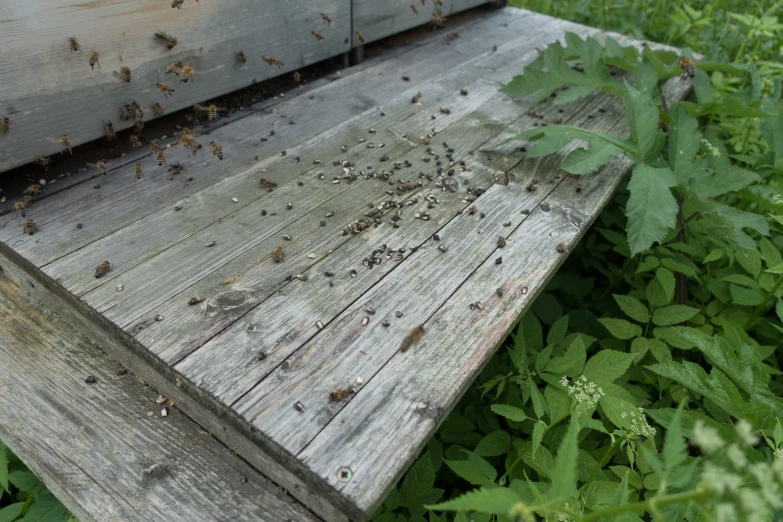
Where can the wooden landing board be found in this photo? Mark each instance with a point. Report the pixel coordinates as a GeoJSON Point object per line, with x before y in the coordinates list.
{"type": "Point", "coordinates": [48, 90]}
{"type": "Point", "coordinates": [258, 357]}
{"type": "Point", "coordinates": [104, 449]}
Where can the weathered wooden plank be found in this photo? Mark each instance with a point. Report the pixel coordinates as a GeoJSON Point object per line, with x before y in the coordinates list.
{"type": "Point", "coordinates": [96, 446]}
{"type": "Point", "coordinates": [36, 79]}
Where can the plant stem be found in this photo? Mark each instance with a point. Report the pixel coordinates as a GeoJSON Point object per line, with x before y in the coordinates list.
{"type": "Point", "coordinates": [651, 504]}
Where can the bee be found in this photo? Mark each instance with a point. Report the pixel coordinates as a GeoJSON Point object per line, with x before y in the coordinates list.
{"type": "Point", "coordinates": [108, 127]}
{"type": "Point", "coordinates": [101, 269]}
{"type": "Point", "coordinates": [297, 77]}
{"type": "Point", "coordinates": [44, 162]}
{"type": "Point", "coordinates": [212, 113]}
{"type": "Point", "coordinates": [278, 255]}
{"type": "Point", "coordinates": [473, 210]}
{"type": "Point", "coordinates": [187, 74]}
{"type": "Point", "coordinates": [177, 4]}
{"type": "Point", "coordinates": [154, 145]}
{"type": "Point", "coordinates": [5, 125]}
{"type": "Point", "coordinates": [190, 142]}
{"type": "Point", "coordinates": [411, 185]}
{"type": "Point", "coordinates": [502, 241]}
{"type": "Point", "coordinates": [508, 178]}
{"type": "Point", "coordinates": [94, 60]}
{"type": "Point", "coordinates": [21, 208]}
{"type": "Point", "coordinates": [445, 110]}
{"type": "Point", "coordinates": [160, 157]}
{"type": "Point", "coordinates": [688, 68]}
{"type": "Point", "coordinates": [326, 18]}
{"type": "Point", "coordinates": [138, 112]}
{"type": "Point", "coordinates": [416, 97]}
{"type": "Point", "coordinates": [138, 127]}
{"type": "Point", "coordinates": [33, 190]}
{"type": "Point", "coordinates": [341, 394]}
{"type": "Point", "coordinates": [413, 8]}
{"type": "Point", "coordinates": [124, 76]}
{"type": "Point", "coordinates": [463, 92]}
{"type": "Point", "coordinates": [495, 48]}
{"type": "Point", "coordinates": [196, 300]}
{"type": "Point", "coordinates": [452, 36]}
{"type": "Point", "coordinates": [139, 171]}
{"type": "Point", "coordinates": [166, 89]}
{"type": "Point", "coordinates": [406, 78]}
{"type": "Point", "coordinates": [413, 337]}
{"type": "Point", "coordinates": [318, 36]}
{"type": "Point", "coordinates": [176, 65]}
{"type": "Point", "coordinates": [184, 130]}
{"type": "Point", "coordinates": [217, 150]}
{"type": "Point", "coordinates": [242, 58]}
{"type": "Point", "coordinates": [531, 186]}
{"type": "Point", "coordinates": [65, 143]}
{"type": "Point", "coordinates": [29, 227]}
{"type": "Point", "coordinates": [170, 41]}
{"type": "Point", "coordinates": [266, 182]}
{"type": "Point", "coordinates": [272, 61]}
{"type": "Point", "coordinates": [101, 166]}
{"type": "Point", "coordinates": [127, 111]}
{"type": "Point", "coordinates": [135, 141]}
{"type": "Point", "coordinates": [74, 43]}
{"type": "Point", "coordinates": [158, 109]}
{"type": "Point", "coordinates": [361, 225]}
{"type": "Point", "coordinates": [561, 248]}
{"type": "Point", "coordinates": [437, 19]}
{"type": "Point", "coordinates": [359, 36]}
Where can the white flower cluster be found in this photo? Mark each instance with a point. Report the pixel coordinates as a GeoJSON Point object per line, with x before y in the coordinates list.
{"type": "Point", "coordinates": [638, 423]}
{"type": "Point", "coordinates": [712, 149]}
{"type": "Point", "coordinates": [583, 391]}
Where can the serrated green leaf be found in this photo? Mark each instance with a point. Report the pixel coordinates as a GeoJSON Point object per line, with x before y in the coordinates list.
{"type": "Point", "coordinates": [632, 307]}
{"type": "Point", "coordinates": [651, 208]}
{"type": "Point", "coordinates": [607, 365]}
{"type": "Point", "coordinates": [643, 119]}
{"type": "Point", "coordinates": [3, 469]}
{"type": "Point", "coordinates": [512, 413]}
{"type": "Point", "coordinates": [684, 143]}
{"type": "Point", "coordinates": [771, 255]}
{"type": "Point", "coordinates": [779, 309]}
{"type": "Point", "coordinates": [646, 78]}
{"type": "Point", "coordinates": [11, 512]}
{"type": "Point", "coordinates": [484, 500]}
{"type": "Point", "coordinates": [777, 269]}
{"type": "Point", "coordinates": [674, 446]}
{"type": "Point", "coordinates": [772, 129]}
{"type": "Point", "coordinates": [475, 469]}
{"type": "Point", "coordinates": [26, 481]}
{"type": "Point", "coordinates": [673, 314]}
{"type": "Point", "coordinates": [565, 470]}
{"type": "Point", "coordinates": [572, 94]}
{"type": "Point", "coordinates": [46, 508]}
{"type": "Point", "coordinates": [417, 486]}
{"type": "Point", "coordinates": [714, 255]}
{"type": "Point", "coordinates": [747, 296]}
{"type": "Point", "coordinates": [539, 406]}
{"type": "Point", "coordinates": [596, 155]}
{"type": "Point", "coordinates": [539, 428]}
{"type": "Point", "coordinates": [620, 328]}
{"type": "Point", "coordinates": [392, 501]}
{"type": "Point", "coordinates": [557, 331]}
{"type": "Point", "coordinates": [495, 444]}
{"type": "Point", "coordinates": [711, 184]}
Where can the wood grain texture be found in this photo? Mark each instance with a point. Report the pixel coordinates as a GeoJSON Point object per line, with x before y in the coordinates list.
{"type": "Point", "coordinates": [37, 78]}
{"type": "Point", "coordinates": [96, 446]}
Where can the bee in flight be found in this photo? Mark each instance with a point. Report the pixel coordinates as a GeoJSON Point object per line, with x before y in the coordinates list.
{"type": "Point", "coordinates": [272, 61]}
{"type": "Point", "coordinates": [241, 57]}
{"type": "Point", "coordinates": [413, 337]}
{"type": "Point", "coordinates": [217, 150]}
{"type": "Point", "coordinates": [158, 109]}
{"type": "Point", "coordinates": [124, 76]}
{"type": "Point", "coordinates": [688, 68]}
{"type": "Point", "coordinates": [174, 66]}
{"type": "Point", "coordinates": [74, 44]}
{"type": "Point", "coordinates": [190, 142]}
{"type": "Point", "coordinates": [318, 35]}
{"type": "Point", "coordinates": [167, 90]}
{"type": "Point", "coordinates": [101, 166]}
{"type": "Point", "coordinates": [177, 4]}
{"type": "Point", "coordinates": [135, 141]}
{"type": "Point", "coordinates": [44, 162]}
{"type": "Point", "coordinates": [168, 40]}
{"type": "Point", "coordinates": [5, 125]}
{"type": "Point", "coordinates": [297, 77]}
{"type": "Point", "coordinates": [33, 190]}
{"type": "Point", "coordinates": [65, 143]}
{"type": "Point", "coordinates": [359, 36]}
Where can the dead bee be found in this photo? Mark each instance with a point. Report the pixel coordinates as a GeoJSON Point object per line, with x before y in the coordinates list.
{"type": "Point", "coordinates": [326, 18]}
{"type": "Point", "coordinates": [463, 92]}
{"type": "Point", "coordinates": [160, 157]}
{"type": "Point", "coordinates": [361, 225]}
{"type": "Point", "coordinates": [217, 150]}
{"type": "Point", "coordinates": [177, 4]}
{"type": "Point", "coordinates": [29, 227]}
{"type": "Point", "coordinates": [124, 75]}
{"type": "Point", "coordinates": [44, 162]}
{"type": "Point", "coordinates": [266, 182]}
{"type": "Point", "coordinates": [196, 300]}
{"type": "Point", "coordinates": [413, 8]}
{"type": "Point", "coordinates": [33, 190]}
{"type": "Point", "coordinates": [278, 255]}
{"type": "Point", "coordinates": [127, 111]}
{"type": "Point", "coordinates": [101, 269]}
{"type": "Point", "coordinates": [502, 241]}
{"type": "Point", "coordinates": [186, 75]}
{"type": "Point", "coordinates": [169, 40]}
{"type": "Point", "coordinates": [5, 125]}
{"type": "Point", "coordinates": [297, 77]}
{"type": "Point", "coordinates": [108, 127]}
{"type": "Point", "coordinates": [241, 57]}
{"type": "Point", "coordinates": [166, 89]}
{"type": "Point", "coordinates": [411, 185]}
{"type": "Point", "coordinates": [157, 109]}
{"type": "Point", "coordinates": [65, 143]}
{"type": "Point", "coordinates": [531, 186]}
{"type": "Point", "coordinates": [139, 171]}
{"type": "Point", "coordinates": [21, 208]}
{"type": "Point", "coordinates": [135, 141]}
{"type": "Point", "coordinates": [688, 68]}
{"type": "Point", "coordinates": [341, 394]}
{"type": "Point", "coordinates": [416, 97]}
{"type": "Point", "coordinates": [172, 68]}
{"type": "Point", "coordinates": [359, 36]}
{"type": "Point", "coordinates": [473, 210]}
{"type": "Point", "coordinates": [190, 142]}
{"type": "Point", "coordinates": [272, 61]}
{"type": "Point", "coordinates": [561, 248]}
{"type": "Point", "coordinates": [94, 60]}
{"type": "Point", "coordinates": [138, 127]}
{"type": "Point", "coordinates": [413, 337]}
{"type": "Point", "coordinates": [74, 43]}
{"type": "Point", "coordinates": [445, 110]}
{"type": "Point", "coordinates": [212, 113]}
{"type": "Point", "coordinates": [406, 78]}
{"type": "Point", "coordinates": [138, 112]}
{"type": "Point", "coordinates": [318, 36]}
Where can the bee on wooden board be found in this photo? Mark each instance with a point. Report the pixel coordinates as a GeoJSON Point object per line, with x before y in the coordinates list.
{"type": "Point", "coordinates": [108, 127]}
{"type": "Point", "coordinates": [190, 142]}
{"type": "Point", "coordinates": [413, 8]}
{"type": "Point", "coordinates": [33, 190]}
{"type": "Point", "coordinates": [508, 178]}
{"type": "Point", "coordinates": [160, 157]}
{"type": "Point", "coordinates": [278, 255]}
{"type": "Point", "coordinates": [135, 141]}
{"type": "Point", "coordinates": [297, 77]}
{"type": "Point", "coordinates": [341, 394]}
{"type": "Point", "coordinates": [266, 182]}
{"type": "Point", "coordinates": [138, 112]}
{"type": "Point", "coordinates": [29, 227]}
{"type": "Point", "coordinates": [5, 125]}
{"type": "Point", "coordinates": [124, 74]}
{"type": "Point", "coordinates": [326, 18]}
{"type": "Point", "coordinates": [473, 210]}
{"type": "Point", "coordinates": [21, 208]}
{"type": "Point", "coordinates": [318, 36]}
{"type": "Point", "coordinates": [44, 162]}
{"type": "Point", "coordinates": [359, 36]}
{"type": "Point", "coordinates": [463, 92]}
{"type": "Point", "coordinates": [168, 40]}
{"type": "Point", "coordinates": [502, 241]}
{"type": "Point", "coordinates": [196, 300]}
{"type": "Point", "coordinates": [74, 44]}
{"type": "Point", "coordinates": [212, 113]}
{"type": "Point", "coordinates": [531, 187]}
{"type": "Point", "coordinates": [65, 143]}
{"type": "Point", "coordinates": [186, 75]}
{"type": "Point", "coordinates": [437, 19]}
{"type": "Point", "coordinates": [413, 337]}
{"type": "Point", "coordinates": [139, 171]}
{"type": "Point", "coordinates": [561, 248]}
{"type": "Point", "coordinates": [127, 111]}
{"type": "Point", "coordinates": [167, 90]}
{"type": "Point", "coordinates": [272, 61]}
{"type": "Point", "coordinates": [217, 150]}
{"type": "Point", "coordinates": [101, 166]}
{"type": "Point", "coordinates": [241, 57]}
{"type": "Point", "coordinates": [101, 269]}
{"type": "Point", "coordinates": [416, 97]}
{"type": "Point", "coordinates": [177, 4]}
{"type": "Point", "coordinates": [158, 109]}
{"type": "Point", "coordinates": [94, 60]}
{"type": "Point", "coordinates": [174, 66]}
{"type": "Point", "coordinates": [138, 127]}
{"type": "Point", "coordinates": [688, 68]}
{"type": "Point", "coordinates": [445, 110]}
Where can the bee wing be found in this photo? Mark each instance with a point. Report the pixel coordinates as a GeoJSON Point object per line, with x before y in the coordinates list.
{"type": "Point", "coordinates": [52, 140]}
